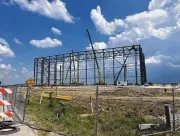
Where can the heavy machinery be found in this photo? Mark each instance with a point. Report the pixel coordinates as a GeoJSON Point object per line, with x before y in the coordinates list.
{"type": "Point", "coordinates": [75, 82]}
{"type": "Point", "coordinates": [64, 81]}
{"type": "Point", "coordinates": [101, 81]}
{"type": "Point", "coordinates": [75, 75]}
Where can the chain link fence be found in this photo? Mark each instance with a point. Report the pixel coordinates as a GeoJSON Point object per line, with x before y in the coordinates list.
{"type": "Point", "coordinates": [138, 110]}
{"type": "Point", "coordinates": [99, 110]}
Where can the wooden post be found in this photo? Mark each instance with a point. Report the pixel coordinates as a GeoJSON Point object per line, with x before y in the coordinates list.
{"type": "Point", "coordinates": [167, 108]}
{"type": "Point", "coordinates": [50, 99]}
{"type": "Point", "coordinates": [174, 125]}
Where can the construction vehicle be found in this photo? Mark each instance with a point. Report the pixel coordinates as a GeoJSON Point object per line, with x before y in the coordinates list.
{"type": "Point", "coordinates": [64, 81]}
{"type": "Point", "coordinates": [101, 81]}
{"type": "Point", "coordinates": [75, 82]}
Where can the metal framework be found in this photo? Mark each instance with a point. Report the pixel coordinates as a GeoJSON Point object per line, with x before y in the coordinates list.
{"type": "Point", "coordinates": [116, 64]}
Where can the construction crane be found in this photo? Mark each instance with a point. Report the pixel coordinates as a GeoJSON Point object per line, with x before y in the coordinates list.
{"type": "Point", "coordinates": [101, 81]}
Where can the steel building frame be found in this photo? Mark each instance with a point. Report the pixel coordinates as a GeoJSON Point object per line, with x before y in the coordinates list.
{"type": "Point", "coordinates": [116, 64]}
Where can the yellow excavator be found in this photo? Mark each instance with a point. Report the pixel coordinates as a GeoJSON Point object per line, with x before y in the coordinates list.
{"type": "Point", "coordinates": [101, 81]}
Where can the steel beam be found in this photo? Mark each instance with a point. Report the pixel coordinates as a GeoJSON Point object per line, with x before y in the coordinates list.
{"type": "Point", "coordinates": [86, 67]}
{"type": "Point", "coordinates": [43, 74]}
{"type": "Point", "coordinates": [49, 68]}
{"type": "Point", "coordinates": [63, 69]}
{"type": "Point", "coordinates": [55, 71]}
{"type": "Point", "coordinates": [104, 68]}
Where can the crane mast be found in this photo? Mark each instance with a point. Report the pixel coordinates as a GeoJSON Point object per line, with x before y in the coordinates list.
{"type": "Point", "coordinates": [101, 81]}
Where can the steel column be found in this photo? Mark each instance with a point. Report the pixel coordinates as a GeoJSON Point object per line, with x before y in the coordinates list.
{"type": "Point", "coordinates": [63, 69]}
{"type": "Point", "coordinates": [113, 67]}
{"type": "Point", "coordinates": [44, 65]}
{"type": "Point", "coordinates": [86, 65]}
{"type": "Point", "coordinates": [55, 71]}
{"type": "Point", "coordinates": [42, 72]}
{"type": "Point", "coordinates": [78, 67]}
{"type": "Point", "coordinates": [136, 72]}
{"type": "Point", "coordinates": [94, 71]}
{"type": "Point", "coordinates": [49, 68]}
{"type": "Point", "coordinates": [60, 75]}
{"type": "Point", "coordinates": [70, 67]}
{"type": "Point", "coordinates": [104, 68]}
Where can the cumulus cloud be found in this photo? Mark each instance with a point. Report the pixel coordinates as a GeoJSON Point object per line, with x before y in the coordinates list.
{"type": "Point", "coordinates": [103, 25]}
{"type": "Point", "coordinates": [56, 31]}
{"type": "Point", "coordinates": [56, 9]}
{"type": "Point", "coordinates": [157, 4]}
{"type": "Point", "coordinates": [17, 41]}
{"type": "Point", "coordinates": [5, 70]}
{"type": "Point", "coordinates": [160, 21]}
{"type": "Point", "coordinates": [5, 67]}
{"type": "Point", "coordinates": [46, 43]}
{"type": "Point", "coordinates": [170, 61]}
{"type": "Point", "coordinates": [173, 65]}
{"type": "Point", "coordinates": [97, 45]}
{"type": "Point", "coordinates": [5, 49]}
{"type": "Point", "coordinates": [153, 60]}
{"type": "Point", "coordinates": [26, 72]}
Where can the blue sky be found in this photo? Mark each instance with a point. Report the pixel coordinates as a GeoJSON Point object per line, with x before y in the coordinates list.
{"type": "Point", "coordinates": [36, 28]}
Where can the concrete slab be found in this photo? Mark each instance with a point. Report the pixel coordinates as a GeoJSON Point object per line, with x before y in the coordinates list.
{"type": "Point", "coordinates": [24, 131]}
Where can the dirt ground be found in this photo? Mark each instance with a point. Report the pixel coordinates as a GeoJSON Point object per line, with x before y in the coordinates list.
{"type": "Point", "coordinates": [113, 92]}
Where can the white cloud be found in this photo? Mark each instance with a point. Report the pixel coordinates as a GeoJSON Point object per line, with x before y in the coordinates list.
{"type": "Point", "coordinates": [5, 49]}
{"type": "Point", "coordinates": [5, 70]}
{"type": "Point", "coordinates": [173, 65]}
{"type": "Point", "coordinates": [5, 67]}
{"type": "Point", "coordinates": [170, 61]}
{"type": "Point", "coordinates": [103, 26]}
{"type": "Point", "coordinates": [3, 42]}
{"type": "Point", "coordinates": [46, 43]}
{"type": "Point", "coordinates": [97, 45]}
{"type": "Point", "coordinates": [56, 9]}
{"type": "Point", "coordinates": [56, 31]}
{"type": "Point", "coordinates": [153, 60]}
{"type": "Point", "coordinates": [161, 21]}
{"type": "Point", "coordinates": [17, 41]}
{"type": "Point", "coordinates": [26, 72]}
{"type": "Point", "coordinates": [157, 4]}
{"type": "Point", "coordinates": [147, 18]}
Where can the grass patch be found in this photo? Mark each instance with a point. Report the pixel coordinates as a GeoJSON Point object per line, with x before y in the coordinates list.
{"type": "Point", "coordinates": [115, 119]}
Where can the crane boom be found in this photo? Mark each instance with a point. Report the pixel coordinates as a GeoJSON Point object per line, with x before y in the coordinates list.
{"type": "Point", "coordinates": [101, 81]}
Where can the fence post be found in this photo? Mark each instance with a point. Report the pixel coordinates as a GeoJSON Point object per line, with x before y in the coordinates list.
{"type": "Point", "coordinates": [167, 108]}
{"type": "Point", "coordinates": [96, 116]}
{"type": "Point", "coordinates": [173, 94]}
{"type": "Point", "coordinates": [14, 95]}
{"type": "Point", "coordinates": [26, 102]}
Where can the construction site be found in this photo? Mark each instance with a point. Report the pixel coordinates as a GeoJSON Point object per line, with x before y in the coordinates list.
{"type": "Point", "coordinates": [93, 93]}
{"type": "Point", "coordinates": [104, 67]}
{"type": "Point", "coordinates": [89, 68]}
